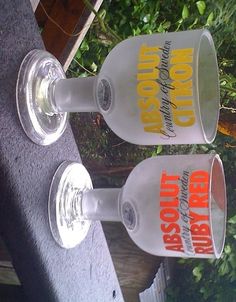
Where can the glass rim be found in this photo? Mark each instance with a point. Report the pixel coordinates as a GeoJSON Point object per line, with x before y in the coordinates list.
{"type": "Point", "coordinates": [205, 33]}
{"type": "Point", "coordinates": [217, 251]}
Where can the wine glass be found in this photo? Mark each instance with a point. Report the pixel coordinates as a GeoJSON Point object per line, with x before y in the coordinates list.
{"type": "Point", "coordinates": [170, 205]}
{"type": "Point", "coordinates": [151, 89]}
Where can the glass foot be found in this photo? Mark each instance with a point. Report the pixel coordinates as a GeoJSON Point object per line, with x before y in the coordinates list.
{"type": "Point", "coordinates": [64, 207]}
{"type": "Point", "coordinates": [37, 76]}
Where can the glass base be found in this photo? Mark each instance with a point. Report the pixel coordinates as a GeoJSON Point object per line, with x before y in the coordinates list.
{"type": "Point", "coordinates": [64, 206]}
{"type": "Point", "coordinates": [38, 74]}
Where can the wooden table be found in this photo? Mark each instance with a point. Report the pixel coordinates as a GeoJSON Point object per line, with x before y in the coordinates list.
{"type": "Point", "coordinates": [46, 271]}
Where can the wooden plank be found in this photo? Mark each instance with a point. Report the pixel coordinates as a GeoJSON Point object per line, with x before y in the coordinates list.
{"type": "Point", "coordinates": [43, 11]}
{"type": "Point", "coordinates": [135, 268]}
{"type": "Point", "coordinates": [83, 25]}
{"type": "Point", "coordinates": [7, 272]}
{"type": "Point", "coordinates": [34, 4]}
{"type": "Point", "coordinates": [64, 24]}
{"type": "Point", "coordinates": [130, 294]}
{"type": "Point", "coordinates": [65, 14]}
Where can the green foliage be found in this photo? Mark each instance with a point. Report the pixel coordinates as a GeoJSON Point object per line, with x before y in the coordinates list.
{"type": "Point", "coordinates": [201, 280]}
{"type": "Point", "coordinates": [119, 19]}
{"type": "Point", "coordinates": [201, 5]}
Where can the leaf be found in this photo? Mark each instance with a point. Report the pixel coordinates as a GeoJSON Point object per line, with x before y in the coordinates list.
{"type": "Point", "coordinates": [185, 12]}
{"type": "Point", "coordinates": [146, 18]}
{"type": "Point", "coordinates": [227, 249]}
{"type": "Point", "coordinates": [182, 261]}
{"type": "Point", "coordinates": [224, 269]}
{"type": "Point", "coordinates": [84, 46]}
{"type": "Point", "coordinates": [94, 67]}
{"type": "Point", "coordinates": [210, 19]}
{"type": "Point", "coordinates": [197, 273]}
{"type": "Point", "coordinates": [232, 220]}
{"type": "Point", "coordinates": [166, 24]}
{"type": "Point", "coordinates": [204, 148]}
{"type": "Point", "coordinates": [102, 14]}
{"type": "Point", "coordinates": [78, 54]}
{"type": "Point", "coordinates": [201, 5]}
{"type": "Point", "coordinates": [159, 149]}
{"type": "Point", "coordinates": [136, 31]}
{"type": "Point", "coordinates": [160, 28]}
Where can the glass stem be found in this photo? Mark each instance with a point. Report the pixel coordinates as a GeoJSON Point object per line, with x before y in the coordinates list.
{"type": "Point", "coordinates": [101, 204]}
{"type": "Point", "coordinates": [75, 95]}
